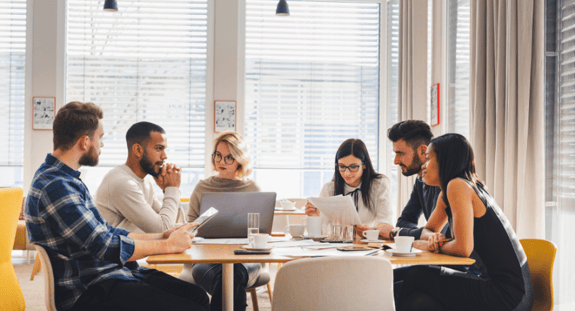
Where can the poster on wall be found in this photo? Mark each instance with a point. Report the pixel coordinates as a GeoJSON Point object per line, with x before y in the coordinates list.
{"type": "Point", "coordinates": [43, 113]}
{"type": "Point", "coordinates": [224, 116]}
{"type": "Point", "coordinates": [434, 106]}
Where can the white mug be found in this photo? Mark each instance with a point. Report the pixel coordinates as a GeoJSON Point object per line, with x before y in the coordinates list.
{"type": "Point", "coordinates": [403, 244]}
{"type": "Point", "coordinates": [313, 225]}
{"type": "Point", "coordinates": [259, 240]}
{"type": "Point", "coordinates": [371, 235]}
{"type": "Point", "coordinates": [296, 230]}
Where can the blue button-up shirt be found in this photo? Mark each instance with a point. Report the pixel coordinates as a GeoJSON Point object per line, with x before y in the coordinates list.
{"type": "Point", "coordinates": [83, 248]}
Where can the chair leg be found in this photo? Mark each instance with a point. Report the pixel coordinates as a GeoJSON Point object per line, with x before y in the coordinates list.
{"type": "Point", "coordinates": [27, 257]}
{"type": "Point", "coordinates": [269, 285]}
{"type": "Point", "coordinates": [254, 295]}
{"type": "Point", "coordinates": [36, 268]}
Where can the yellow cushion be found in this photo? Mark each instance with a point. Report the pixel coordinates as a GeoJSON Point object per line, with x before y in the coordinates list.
{"type": "Point", "coordinates": [20, 239]}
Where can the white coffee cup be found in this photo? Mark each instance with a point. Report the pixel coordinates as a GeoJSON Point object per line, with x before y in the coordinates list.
{"type": "Point", "coordinates": [259, 240]}
{"type": "Point", "coordinates": [371, 235]}
{"type": "Point", "coordinates": [403, 244]}
{"type": "Point", "coordinates": [286, 204]}
{"type": "Point", "coordinates": [296, 230]}
{"type": "Point", "coordinates": [313, 225]}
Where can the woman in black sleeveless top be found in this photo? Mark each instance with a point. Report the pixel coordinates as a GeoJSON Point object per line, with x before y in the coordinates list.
{"type": "Point", "coordinates": [478, 224]}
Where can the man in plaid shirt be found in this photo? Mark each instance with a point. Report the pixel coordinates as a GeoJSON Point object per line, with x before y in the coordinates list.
{"type": "Point", "coordinates": [94, 264]}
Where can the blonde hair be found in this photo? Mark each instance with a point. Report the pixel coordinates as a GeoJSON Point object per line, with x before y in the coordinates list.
{"type": "Point", "coordinates": [238, 150]}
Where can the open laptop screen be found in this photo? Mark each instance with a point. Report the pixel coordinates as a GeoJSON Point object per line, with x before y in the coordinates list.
{"type": "Point", "coordinates": [233, 207]}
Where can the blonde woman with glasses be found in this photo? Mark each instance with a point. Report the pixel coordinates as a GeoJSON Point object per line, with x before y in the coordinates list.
{"type": "Point", "coordinates": [355, 176]}
{"type": "Point", "coordinates": [231, 162]}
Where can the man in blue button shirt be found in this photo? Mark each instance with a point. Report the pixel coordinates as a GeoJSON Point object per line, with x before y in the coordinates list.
{"type": "Point", "coordinates": [93, 263]}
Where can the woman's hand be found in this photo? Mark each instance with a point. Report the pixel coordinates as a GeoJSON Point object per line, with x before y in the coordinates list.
{"type": "Point", "coordinates": [433, 242]}
{"type": "Point", "coordinates": [421, 244]}
{"type": "Point", "coordinates": [311, 210]}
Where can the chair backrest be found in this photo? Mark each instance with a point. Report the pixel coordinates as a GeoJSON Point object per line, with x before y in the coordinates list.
{"type": "Point", "coordinates": [335, 283]}
{"type": "Point", "coordinates": [11, 297]}
{"type": "Point", "coordinates": [49, 294]}
{"type": "Point", "coordinates": [541, 257]}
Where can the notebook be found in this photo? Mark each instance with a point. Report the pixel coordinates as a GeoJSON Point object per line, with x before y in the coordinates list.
{"type": "Point", "coordinates": [233, 207]}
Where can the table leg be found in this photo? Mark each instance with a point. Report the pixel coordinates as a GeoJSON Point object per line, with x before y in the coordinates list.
{"type": "Point", "coordinates": [228, 287]}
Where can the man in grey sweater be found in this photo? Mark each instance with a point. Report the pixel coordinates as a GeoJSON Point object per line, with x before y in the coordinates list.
{"type": "Point", "coordinates": [127, 200]}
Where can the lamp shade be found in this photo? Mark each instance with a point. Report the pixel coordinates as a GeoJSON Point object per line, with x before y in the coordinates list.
{"type": "Point", "coordinates": [283, 9]}
{"type": "Point", "coordinates": [111, 6]}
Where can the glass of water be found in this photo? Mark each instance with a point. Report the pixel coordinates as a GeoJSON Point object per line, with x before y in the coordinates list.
{"type": "Point", "coordinates": [253, 224]}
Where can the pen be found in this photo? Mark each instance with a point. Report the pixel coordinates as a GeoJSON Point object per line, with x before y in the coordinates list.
{"type": "Point", "coordinates": [372, 253]}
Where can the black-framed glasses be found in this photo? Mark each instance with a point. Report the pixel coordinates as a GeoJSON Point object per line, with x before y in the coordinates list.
{"type": "Point", "coordinates": [352, 168]}
{"type": "Point", "coordinates": [229, 160]}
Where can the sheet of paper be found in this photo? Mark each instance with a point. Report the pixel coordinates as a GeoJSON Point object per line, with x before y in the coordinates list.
{"type": "Point", "coordinates": [221, 241]}
{"type": "Point", "coordinates": [332, 207]}
{"type": "Point", "coordinates": [329, 252]}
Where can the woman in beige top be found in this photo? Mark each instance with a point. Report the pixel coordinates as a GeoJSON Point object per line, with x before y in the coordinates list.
{"type": "Point", "coordinates": [231, 161]}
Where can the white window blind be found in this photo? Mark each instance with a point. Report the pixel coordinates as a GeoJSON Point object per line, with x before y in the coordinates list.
{"type": "Point", "coordinates": [146, 62]}
{"type": "Point", "coordinates": [458, 52]}
{"type": "Point", "coordinates": [12, 63]}
{"type": "Point", "coordinates": [311, 81]}
{"type": "Point", "coordinates": [565, 115]}
{"type": "Point", "coordinates": [392, 68]}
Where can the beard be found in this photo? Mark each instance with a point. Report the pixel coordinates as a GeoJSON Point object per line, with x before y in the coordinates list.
{"type": "Point", "coordinates": [148, 166]}
{"type": "Point", "coordinates": [413, 168]}
{"type": "Point", "coordinates": [90, 158]}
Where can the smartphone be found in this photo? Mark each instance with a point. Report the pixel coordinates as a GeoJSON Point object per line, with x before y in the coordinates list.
{"type": "Point", "coordinates": [246, 252]}
{"type": "Point", "coordinates": [204, 218]}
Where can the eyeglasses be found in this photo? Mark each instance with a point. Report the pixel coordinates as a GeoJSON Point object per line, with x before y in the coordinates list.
{"type": "Point", "coordinates": [229, 160]}
{"type": "Point", "coordinates": [352, 168]}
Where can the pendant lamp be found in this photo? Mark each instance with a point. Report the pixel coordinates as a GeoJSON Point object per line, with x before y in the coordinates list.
{"type": "Point", "coordinates": [111, 6]}
{"type": "Point", "coordinates": [283, 9]}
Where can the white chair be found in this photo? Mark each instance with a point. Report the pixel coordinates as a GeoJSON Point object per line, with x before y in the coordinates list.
{"type": "Point", "coordinates": [49, 297]}
{"type": "Point", "coordinates": [335, 283]}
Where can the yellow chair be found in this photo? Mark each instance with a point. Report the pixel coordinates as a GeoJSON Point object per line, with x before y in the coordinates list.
{"type": "Point", "coordinates": [541, 256]}
{"type": "Point", "coordinates": [11, 297]}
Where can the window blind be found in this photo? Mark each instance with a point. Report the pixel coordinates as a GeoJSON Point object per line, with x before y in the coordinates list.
{"type": "Point", "coordinates": [458, 52]}
{"type": "Point", "coordinates": [146, 62]}
{"type": "Point", "coordinates": [565, 110]}
{"type": "Point", "coordinates": [311, 81]}
{"type": "Point", "coordinates": [12, 64]}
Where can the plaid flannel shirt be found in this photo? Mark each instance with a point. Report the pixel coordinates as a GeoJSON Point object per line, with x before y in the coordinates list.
{"type": "Point", "coordinates": [83, 248]}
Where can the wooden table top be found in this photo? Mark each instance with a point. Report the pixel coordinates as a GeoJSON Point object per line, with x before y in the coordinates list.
{"type": "Point", "coordinates": [225, 254]}
{"type": "Point", "coordinates": [297, 211]}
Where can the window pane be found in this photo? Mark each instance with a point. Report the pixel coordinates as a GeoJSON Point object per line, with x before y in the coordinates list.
{"type": "Point", "coordinates": [146, 62]}
{"type": "Point", "coordinates": [312, 81]}
{"type": "Point", "coordinates": [12, 64]}
{"type": "Point", "coordinates": [458, 50]}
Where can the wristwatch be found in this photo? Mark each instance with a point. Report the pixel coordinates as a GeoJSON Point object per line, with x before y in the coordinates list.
{"type": "Point", "coordinates": [394, 232]}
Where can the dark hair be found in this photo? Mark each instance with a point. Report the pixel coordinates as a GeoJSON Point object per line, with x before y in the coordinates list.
{"type": "Point", "coordinates": [73, 121]}
{"type": "Point", "coordinates": [414, 132]}
{"type": "Point", "coordinates": [455, 159]}
{"type": "Point", "coordinates": [357, 148]}
{"type": "Point", "coordinates": [139, 133]}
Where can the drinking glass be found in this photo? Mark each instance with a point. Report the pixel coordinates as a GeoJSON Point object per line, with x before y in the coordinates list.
{"type": "Point", "coordinates": [337, 226]}
{"type": "Point", "coordinates": [253, 224]}
{"type": "Point", "coordinates": [347, 234]}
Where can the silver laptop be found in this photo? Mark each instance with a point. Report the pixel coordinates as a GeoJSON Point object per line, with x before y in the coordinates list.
{"type": "Point", "coordinates": [233, 207]}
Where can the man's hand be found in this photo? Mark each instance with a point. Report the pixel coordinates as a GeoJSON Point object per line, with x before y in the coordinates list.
{"type": "Point", "coordinates": [168, 232]}
{"type": "Point", "coordinates": [181, 239]}
{"type": "Point", "coordinates": [311, 210]}
{"type": "Point", "coordinates": [361, 228]}
{"type": "Point", "coordinates": [170, 176]}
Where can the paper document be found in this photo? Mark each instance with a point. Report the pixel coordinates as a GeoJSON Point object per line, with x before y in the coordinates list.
{"type": "Point", "coordinates": [330, 252]}
{"type": "Point", "coordinates": [332, 208]}
{"type": "Point", "coordinates": [222, 241]}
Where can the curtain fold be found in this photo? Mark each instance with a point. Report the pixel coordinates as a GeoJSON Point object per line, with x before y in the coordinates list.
{"type": "Point", "coordinates": [507, 108]}
{"type": "Point", "coordinates": [412, 77]}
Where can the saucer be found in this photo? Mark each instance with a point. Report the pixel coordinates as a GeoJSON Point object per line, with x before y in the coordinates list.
{"type": "Point", "coordinates": [248, 247]}
{"type": "Point", "coordinates": [373, 241]}
{"type": "Point", "coordinates": [285, 208]}
{"type": "Point", "coordinates": [315, 238]}
{"type": "Point", "coordinates": [394, 252]}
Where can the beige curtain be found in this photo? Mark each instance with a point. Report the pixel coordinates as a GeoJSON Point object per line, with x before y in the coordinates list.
{"type": "Point", "coordinates": [412, 76]}
{"type": "Point", "coordinates": [507, 107]}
